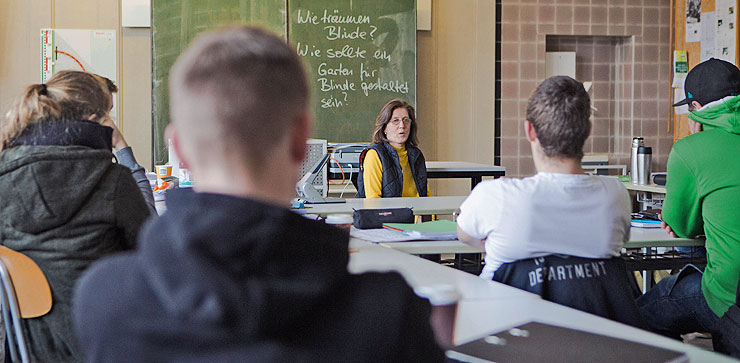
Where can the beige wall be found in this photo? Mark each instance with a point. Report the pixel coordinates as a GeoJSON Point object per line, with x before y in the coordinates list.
{"type": "Point", "coordinates": [456, 78]}
{"type": "Point", "coordinates": [20, 21]}
{"type": "Point", "coordinates": [455, 65]}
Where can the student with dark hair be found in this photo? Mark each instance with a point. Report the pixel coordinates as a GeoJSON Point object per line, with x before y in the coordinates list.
{"type": "Point", "coordinates": [229, 273]}
{"type": "Point", "coordinates": [393, 165]}
{"type": "Point", "coordinates": [63, 202]}
{"type": "Point", "coordinates": [560, 210]}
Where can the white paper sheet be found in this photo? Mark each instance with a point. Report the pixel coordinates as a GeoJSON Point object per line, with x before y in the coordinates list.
{"type": "Point", "coordinates": [693, 20]}
{"type": "Point", "coordinates": [725, 30]}
{"type": "Point", "coordinates": [708, 35]}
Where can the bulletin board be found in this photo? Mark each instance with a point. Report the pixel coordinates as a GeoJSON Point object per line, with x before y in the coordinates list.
{"type": "Point", "coordinates": [716, 15]}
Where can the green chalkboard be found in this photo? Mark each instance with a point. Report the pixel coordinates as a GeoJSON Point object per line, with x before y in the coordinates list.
{"type": "Point", "coordinates": [176, 22]}
{"type": "Point", "coordinates": [359, 55]}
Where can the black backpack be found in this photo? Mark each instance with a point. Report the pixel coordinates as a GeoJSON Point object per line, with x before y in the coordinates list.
{"type": "Point", "coordinates": [726, 339]}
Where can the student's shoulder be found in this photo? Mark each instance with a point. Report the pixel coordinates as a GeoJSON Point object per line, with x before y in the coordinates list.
{"type": "Point", "coordinates": [107, 280]}
{"type": "Point", "coordinates": [105, 297]}
{"type": "Point", "coordinates": [611, 183]}
{"type": "Point", "coordinates": [505, 184]}
{"type": "Point", "coordinates": [495, 190]}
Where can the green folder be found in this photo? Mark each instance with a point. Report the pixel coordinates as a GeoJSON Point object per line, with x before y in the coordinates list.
{"type": "Point", "coordinates": [441, 226]}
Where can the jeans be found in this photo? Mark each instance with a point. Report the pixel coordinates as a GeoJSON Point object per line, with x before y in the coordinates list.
{"type": "Point", "coordinates": [691, 251]}
{"type": "Point", "coordinates": [676, 305]}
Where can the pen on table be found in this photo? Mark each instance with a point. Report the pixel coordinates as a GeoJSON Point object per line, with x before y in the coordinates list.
{"type": "Point", "coordinates": [392, 228]}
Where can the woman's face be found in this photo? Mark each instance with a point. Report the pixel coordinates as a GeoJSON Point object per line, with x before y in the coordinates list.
{"type": "Point", "coordinates": [398, 128]}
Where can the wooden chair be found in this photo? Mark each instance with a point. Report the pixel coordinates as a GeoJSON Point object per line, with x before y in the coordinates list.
{"type": "Point", "coordinates": [25, 293]}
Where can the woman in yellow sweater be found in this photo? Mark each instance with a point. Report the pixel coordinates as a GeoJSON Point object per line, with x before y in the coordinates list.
{"type": "Point", "coordinates": [393, 165]}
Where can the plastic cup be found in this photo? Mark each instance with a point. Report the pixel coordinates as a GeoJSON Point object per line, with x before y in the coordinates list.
{"type": "Point", "coordinates": [444, 299]}
{"type": "Point", "coordinates": [163, 171]}
{"type": "Point", "coordinates": [342, 221]}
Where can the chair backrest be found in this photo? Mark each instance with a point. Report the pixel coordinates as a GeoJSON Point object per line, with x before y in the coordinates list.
{"type": "Point", "coordinates": [31, 287]}
{"type": "Point", "coordinates": [596, 286]}
{"type": "Point", "coordinates": [25, 293]}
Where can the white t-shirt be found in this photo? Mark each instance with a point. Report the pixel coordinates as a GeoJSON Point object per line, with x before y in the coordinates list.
{"type": "Point", "coordinates": [578, 215]}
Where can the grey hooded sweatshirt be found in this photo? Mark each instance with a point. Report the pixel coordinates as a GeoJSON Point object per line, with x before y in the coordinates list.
{"type": "Point", "coordinates": [64, 203]}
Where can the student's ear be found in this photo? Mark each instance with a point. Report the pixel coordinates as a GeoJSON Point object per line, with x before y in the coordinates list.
{"type": "Point", "coordinates": [299, 135]}
{"type": "Point", "coordinates": [529, 131]}
{"type": "Point", "coordinates": [171, 133]}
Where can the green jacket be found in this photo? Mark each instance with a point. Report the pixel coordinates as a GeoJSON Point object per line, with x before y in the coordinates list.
{"type": "Point", "coordinates": [703, 196]}
{"type": "Point", "coordinates": [65, 207]}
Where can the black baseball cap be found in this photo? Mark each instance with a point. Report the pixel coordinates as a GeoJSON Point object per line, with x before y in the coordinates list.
{"type": "Point", "coordinates": [711, 80]}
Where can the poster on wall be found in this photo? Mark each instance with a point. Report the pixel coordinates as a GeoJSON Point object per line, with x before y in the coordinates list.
{"type": "Point", "coordinates": [80, 50]}
{"type": "Point", "coordinates": [708, 36]}
{"type": "Point", "coordinates": [693, 21]}
{"type": "Point", "coordinates": [725, 30]}
{"type": "Point", "coordinates": [680, 70]}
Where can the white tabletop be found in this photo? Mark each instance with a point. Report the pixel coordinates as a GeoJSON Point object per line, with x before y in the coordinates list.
{"type": "Point", "coordinates": [488, 306]}
{"type": "Point", "coordinates": [639, 237]}
{"type": "Point", "coordinates": [420, 272]}
{"type": "Point", "coordinates": [461, 166]}
{"type": "Point", "coordinates": [657, 237]}
{"type": "Point", "coordinates": [421, 206]}
{"type": "Point", "coordinates": [653, 188]}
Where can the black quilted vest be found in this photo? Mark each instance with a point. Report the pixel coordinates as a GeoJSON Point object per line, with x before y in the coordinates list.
{"type": "Point", "coordinates": [392, 171]}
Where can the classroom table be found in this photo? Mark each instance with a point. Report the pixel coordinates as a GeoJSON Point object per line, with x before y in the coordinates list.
{"type": "Point", "coordinates": [488, 306]}
{"type": "Point", "coordinates": [421, 206]}
{"type": "Point", "coordinates": [639, 238]}
{"type": "Point", "coordinates": [463, 169]}
{"type": "Point", "coordinates": [447, 169]}
{"type": "Point", "coordinates": [420, 272]}
{"type": "Point", "coordinates": [645, 239]}
{"type": "Point", "coordinates": [645, 194]}
{"type": "Point", "coordinates": [651, 188]}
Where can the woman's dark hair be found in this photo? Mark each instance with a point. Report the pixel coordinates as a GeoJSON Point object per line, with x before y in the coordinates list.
{"type": "Point", "coordinates": [384, 117]}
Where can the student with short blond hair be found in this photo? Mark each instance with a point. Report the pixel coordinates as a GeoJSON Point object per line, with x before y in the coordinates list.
{"type": "Point", "coordinates": [64, 203]}
{"type": "Point", "coordinates": [229, 273]}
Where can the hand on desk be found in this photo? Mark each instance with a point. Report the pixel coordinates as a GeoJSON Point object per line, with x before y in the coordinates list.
{"type": "Point", "coordinates": [666, 227]}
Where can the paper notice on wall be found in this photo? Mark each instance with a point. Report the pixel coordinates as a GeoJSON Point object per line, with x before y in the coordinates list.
{"type": "Point", "coordinates": [725, 30]}
{"type": "Point", "coordinates": [708, 35]}
{"type": "Point", "coordinates": [79, 50]}
{"type": "Point", "coordinates": [693, 20]}
{"type": "Point", "coordinates": [678, 95]}
{"type": "Point", "coordinates": [680, 68]}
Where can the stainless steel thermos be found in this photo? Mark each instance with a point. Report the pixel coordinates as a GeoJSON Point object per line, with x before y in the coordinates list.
{"type": "Point", "coordinates": [644, 164]}
{"type": "Point", "coordinates": [636, 143]}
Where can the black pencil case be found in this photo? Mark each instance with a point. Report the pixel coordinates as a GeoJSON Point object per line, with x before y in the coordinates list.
{"type": "Point", "coordinates": [374, 218]}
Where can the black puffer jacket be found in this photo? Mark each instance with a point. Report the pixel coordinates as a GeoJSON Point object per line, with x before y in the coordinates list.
{"type": "Point", "coordinates": [65, 204]}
